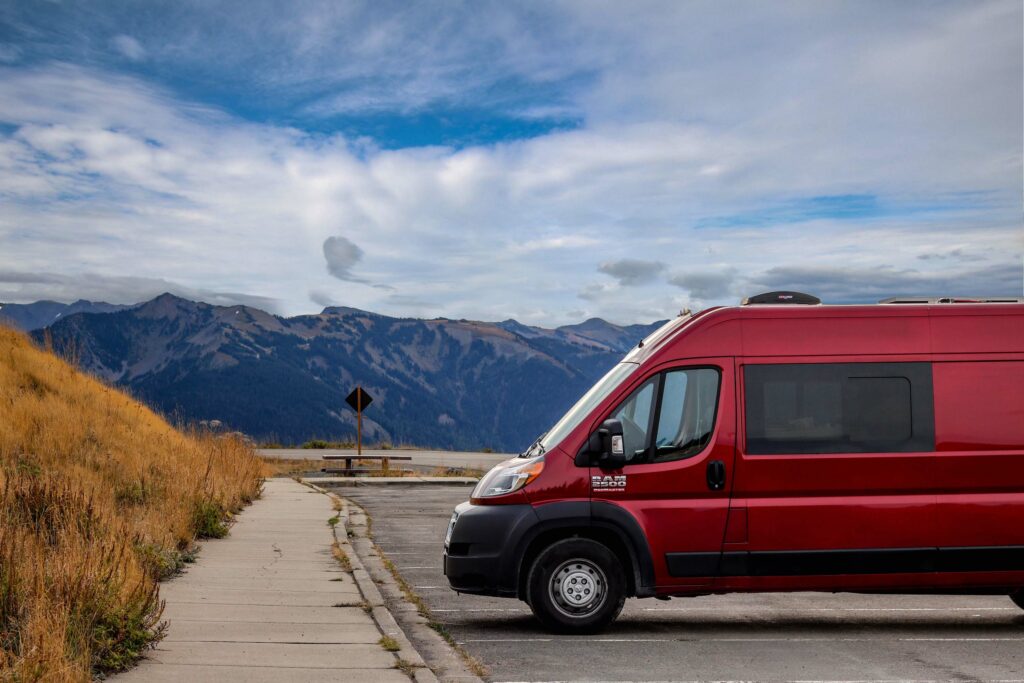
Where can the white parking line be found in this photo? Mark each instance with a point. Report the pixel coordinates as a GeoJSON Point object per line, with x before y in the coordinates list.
{"type": "Point", "coordinates": [962, 640]}
{"type": "Point", "coordinates": [482, 609]}
{"type": "Point", "coordinates": [743, 640]}
{"type": "Point", "coordinates": [823, 680]}
{"type": "Point", "coordinates": [841, 609]}
{"type": "Point", "coordinates": [438, 545]}
{"type": "Point", "coordinates": [391, 553]}
{"type": "Point", "coordinates": [820, 680]}
{"type": "Point", "coordinates": [417, 567]}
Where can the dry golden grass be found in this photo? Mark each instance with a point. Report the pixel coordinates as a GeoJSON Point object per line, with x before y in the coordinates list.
{"type": "Point", "coordinates": [287, 467]}
{"type": "Point", "coordinates": [99, 499]}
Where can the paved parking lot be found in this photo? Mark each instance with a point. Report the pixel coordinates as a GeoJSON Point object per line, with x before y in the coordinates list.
{"type": "Point", "coordinates": [808, 636]}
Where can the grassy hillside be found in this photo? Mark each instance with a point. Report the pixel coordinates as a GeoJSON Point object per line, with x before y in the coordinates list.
{"type": "Point", "coordinates": [99, 499]}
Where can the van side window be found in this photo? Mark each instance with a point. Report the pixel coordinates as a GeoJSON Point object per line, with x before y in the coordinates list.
{"type": "Point", "coordinates": [686, 416]}
{"type": "Point", "coordinates": [635, 414]}
{"type": "Point", "coordinates": [681, 403]}
{"type": "Point", "coordinates": [839, 408]}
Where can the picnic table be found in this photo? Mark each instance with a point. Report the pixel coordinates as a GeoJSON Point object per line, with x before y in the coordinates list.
{"type": "Point", "coordinates": [385, 463]}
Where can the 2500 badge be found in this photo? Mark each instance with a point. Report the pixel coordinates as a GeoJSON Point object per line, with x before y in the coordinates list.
{"type": "Point", "coordinates": [614, 482]}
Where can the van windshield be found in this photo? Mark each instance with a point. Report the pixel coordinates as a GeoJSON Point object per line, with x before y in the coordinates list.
{"type": "Point", "coordinates": [587, 403]}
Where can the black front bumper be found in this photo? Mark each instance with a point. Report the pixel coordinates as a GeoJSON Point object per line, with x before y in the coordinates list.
{"type": "Point", "coordinates": [482, 557]}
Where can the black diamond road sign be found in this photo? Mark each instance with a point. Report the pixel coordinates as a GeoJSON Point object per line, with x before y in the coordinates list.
{"type": "Point", "coordinates": [354, 401]}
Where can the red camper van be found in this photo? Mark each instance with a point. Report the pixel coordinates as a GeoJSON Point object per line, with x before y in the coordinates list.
{"type": "Point", "coordinates": [780, 445]}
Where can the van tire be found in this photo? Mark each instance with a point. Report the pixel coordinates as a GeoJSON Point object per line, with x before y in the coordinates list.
{"type": "Point", "coordinates": [1018, 598]}
{"type": "Point", "coordinates": [563, 607]}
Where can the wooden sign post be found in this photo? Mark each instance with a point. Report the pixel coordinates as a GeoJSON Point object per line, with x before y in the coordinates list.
{"type": "Point", "coordinates": [359, 399]}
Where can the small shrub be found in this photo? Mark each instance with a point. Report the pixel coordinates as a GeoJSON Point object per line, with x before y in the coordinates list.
{"type": "Point", "coordinates": [160, 563]}
{"type": "Point", "coordinates": [121, 636]}
{"type": "Point", "coordinates": [322, 443]}
{"type": "Point", "coordinates": [130, 493]}
{"type": "Point", "coordinates": [209, 519]}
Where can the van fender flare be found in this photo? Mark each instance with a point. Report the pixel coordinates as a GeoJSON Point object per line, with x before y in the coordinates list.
{"type": "Point", "coordinates": [625, 524]}
{"type": "Point", "coordinates": [605, 516]}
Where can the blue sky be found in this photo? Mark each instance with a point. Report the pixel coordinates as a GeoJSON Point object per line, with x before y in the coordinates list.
{"type": "Point", "coordinates": [546, 161]}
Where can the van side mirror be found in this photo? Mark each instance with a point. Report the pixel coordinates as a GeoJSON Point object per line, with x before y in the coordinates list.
{"type": "Point", "coordinates": [604, 448]}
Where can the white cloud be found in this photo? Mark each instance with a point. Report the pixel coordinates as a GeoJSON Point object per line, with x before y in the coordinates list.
{"type": "Point", "coordinates": [114, 289]}
{"type": "Point", "coordinates": [841, 285]}
{"type": "Point", "coordinates": [129, 47]}
{"type": "Point", "coordinates": [630, 272]}
{"type": "Point", "coordinates": [707, 285]}
{"type": "Point", "coordinates": [342, 255]}
{"type": "Point", "coordinates": [548, 243]}
{"type": "Point", "coordinates": [321, 298]}
{"type": "Point", "coordinates": [104, 173]}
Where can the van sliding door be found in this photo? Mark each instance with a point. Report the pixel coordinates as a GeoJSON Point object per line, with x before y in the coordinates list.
{"type": "Point", "coordinates": [979, 411]}
{"type": "Point", "coordinates": [836, 473]}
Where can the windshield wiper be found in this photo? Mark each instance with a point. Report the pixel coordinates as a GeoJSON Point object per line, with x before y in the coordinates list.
{"type": "Point", "coordinates": [536, 444]}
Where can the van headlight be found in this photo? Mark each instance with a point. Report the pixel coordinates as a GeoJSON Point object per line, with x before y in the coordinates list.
{"type": "Point", "coordinates": [451, 529]}
{"type": "Point", "coordinates": [508, 476]}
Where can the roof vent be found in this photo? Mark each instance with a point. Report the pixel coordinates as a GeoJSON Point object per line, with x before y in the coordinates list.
{"type": "Point", "coordinates": [782, 298]}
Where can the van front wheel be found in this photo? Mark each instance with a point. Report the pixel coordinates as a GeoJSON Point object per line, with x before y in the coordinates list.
{"type": "Point", "coordinates": [1018, 598]}
{"type": "Point", "coordinates": [576, 586]}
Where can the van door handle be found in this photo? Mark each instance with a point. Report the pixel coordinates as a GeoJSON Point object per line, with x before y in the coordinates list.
{"type": "Point", "coordinates": [716, 475]}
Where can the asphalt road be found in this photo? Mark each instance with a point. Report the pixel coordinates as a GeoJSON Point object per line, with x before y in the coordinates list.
{"type": "Point", "coordinates": [420, 459]}
{"type": "Point", "coordinates": [796, 636]}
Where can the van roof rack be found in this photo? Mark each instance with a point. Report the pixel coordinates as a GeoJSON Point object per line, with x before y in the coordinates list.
{"type": "Point", "coordinates": [953, 300]}
{"type": "Point", "coordinates": [781, 298]}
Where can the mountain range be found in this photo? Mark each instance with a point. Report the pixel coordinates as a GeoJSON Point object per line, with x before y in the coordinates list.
{"type": "Point", "coordinates": [438, 383]}
{"type": "Point", "coordinates": [36, 316]}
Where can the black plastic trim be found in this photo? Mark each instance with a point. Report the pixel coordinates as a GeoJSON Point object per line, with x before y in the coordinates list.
{"type": "Point", "coordinates": [485, 537]}
{"type": "Point", "coordinates": [981, 559]}
{"type": "Point", "coordinates": [693, 564]}
{"type": "Point", "coordinates": [858, 561]}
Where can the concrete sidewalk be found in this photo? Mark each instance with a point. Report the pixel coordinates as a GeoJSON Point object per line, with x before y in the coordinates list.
{"type": "Point", "coordinates": [270, 603]}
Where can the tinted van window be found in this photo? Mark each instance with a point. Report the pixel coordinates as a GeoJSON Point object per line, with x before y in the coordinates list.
{"type": "Point", "coordinates": [635, 416]}
{"type": "Point", "coordinates": [686, 417]}
{"type": "Point", "coordinates": [839, 408]}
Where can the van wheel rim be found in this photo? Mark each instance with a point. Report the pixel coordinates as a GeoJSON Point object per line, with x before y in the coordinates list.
{"type": "Point", "coordinates": [578, 588]}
